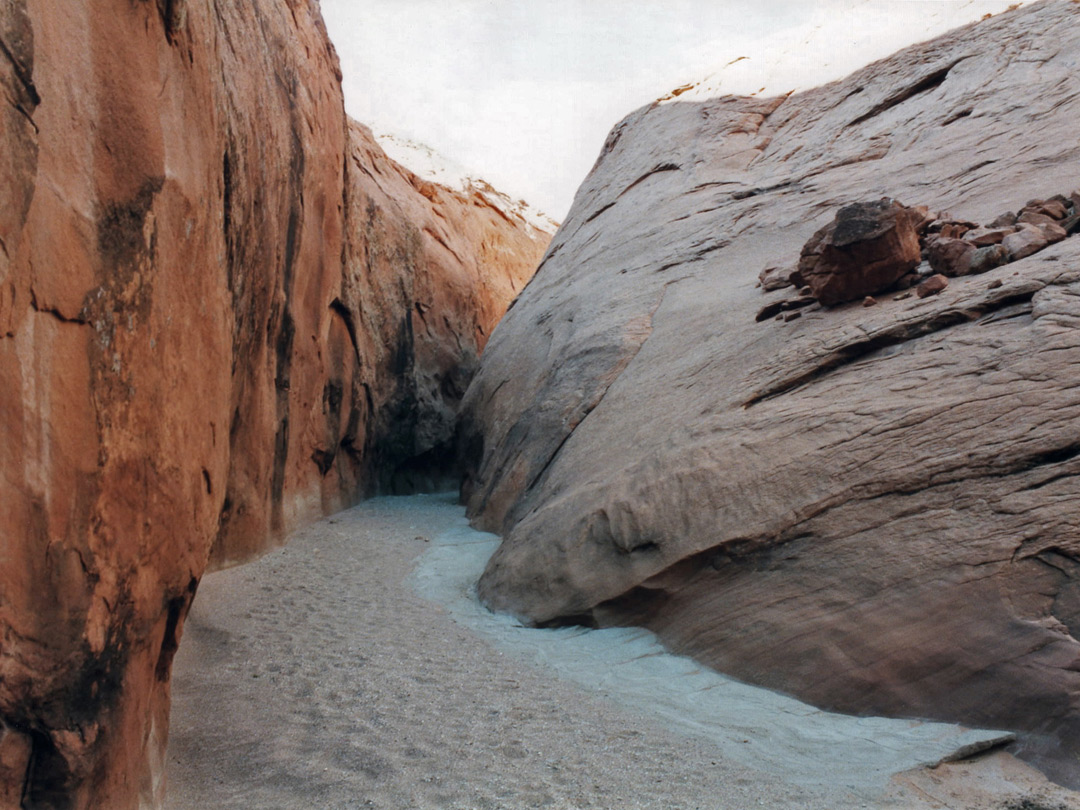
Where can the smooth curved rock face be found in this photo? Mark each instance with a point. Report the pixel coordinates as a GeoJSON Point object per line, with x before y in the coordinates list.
{"type": "Point", "coordinates": [872, 508]}
{"type": "Point", "coordinates": [184, 357]}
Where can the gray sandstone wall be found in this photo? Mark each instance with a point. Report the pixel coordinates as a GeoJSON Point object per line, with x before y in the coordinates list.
{"type": "Point", "coordinates": [873, 508]}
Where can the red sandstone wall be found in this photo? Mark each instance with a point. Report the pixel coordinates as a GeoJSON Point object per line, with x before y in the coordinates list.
{"type": "Point", "coordinates": [182, 357]}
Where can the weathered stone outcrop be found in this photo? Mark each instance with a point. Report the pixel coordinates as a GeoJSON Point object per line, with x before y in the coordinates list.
{"type": "Point", "coordinates": [186, 359]}
{"type": "Point", "coordinates": [871, 507]}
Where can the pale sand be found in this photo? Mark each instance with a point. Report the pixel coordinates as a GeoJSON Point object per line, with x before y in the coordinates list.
{"type": "Point", "coordinates": [318, 677]}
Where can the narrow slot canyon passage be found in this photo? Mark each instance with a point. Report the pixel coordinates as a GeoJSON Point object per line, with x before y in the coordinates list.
{"type": "Point", "coordinates": [258, 263]}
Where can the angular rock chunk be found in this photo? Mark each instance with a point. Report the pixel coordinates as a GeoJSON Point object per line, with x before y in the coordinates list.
{"type": "Point", "coordinates": [1027, 240]}
{"type": "Point", "coordinates": [1054, 208]}
{"type": "Point", "coordinates": [981, 237]}
{"type": "Point", "coordinates": [949, 256]}
{"type": "Point", "coordinates": [1037, 218]}
{"type": "Point", "coordinates": [951, 228]}
{"type": "Point", "coordinates": [866, 249]}
{"type": "Point", "coordinates": [775, 278]}
{"type": "Point", "coordinates": [932, 286]}
{"type": "Point", "coordinates": [987, 258]}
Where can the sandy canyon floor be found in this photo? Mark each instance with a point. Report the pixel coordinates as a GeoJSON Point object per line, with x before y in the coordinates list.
{"type": "Point", "coordinates": [353, 669]}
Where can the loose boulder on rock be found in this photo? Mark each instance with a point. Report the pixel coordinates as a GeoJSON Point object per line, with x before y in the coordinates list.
{"type": "Point", "coordinates": [950, 256]}
{"type": "Point", "coordinates": [865, 249]}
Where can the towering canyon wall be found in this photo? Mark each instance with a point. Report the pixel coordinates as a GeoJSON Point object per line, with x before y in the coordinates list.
{"type": "Point", "coordinates": [431, 272]}
{"type": "Point", "coordinates": [871, 507]}
{"type": "Point", "coordinates": [216, 313]}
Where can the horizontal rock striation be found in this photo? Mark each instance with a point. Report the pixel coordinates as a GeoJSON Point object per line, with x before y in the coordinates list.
{"type": "Point", "coordinates": [872, 507]}
{"type": "Point", "coordinates": [193, 333]}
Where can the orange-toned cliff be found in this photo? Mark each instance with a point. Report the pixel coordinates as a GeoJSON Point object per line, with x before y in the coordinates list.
{"type": "Point", "coordinates": [432, 270]}
{"type": "Point", "coordinates": [193, 345]}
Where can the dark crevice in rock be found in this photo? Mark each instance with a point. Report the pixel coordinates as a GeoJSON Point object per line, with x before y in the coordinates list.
{"type": "Point", "coordinates": [754, 192]}
{"type": "Point", "coordinates": [48, 776]}
{"type": "Point", "coordinates": [957, 116]}
{"type": "Point", "coordinates": [1004, 468]}
{"type": "Point", "coordinates": [226, 209]}
{"type": "Point", "coordinates": [889, 336]}
{"type": "Point", "coordinates": [444, 243]}
{"type": "Point", "coordinates": [645, 547]}
{"type": "Point", "coordinates": [930, 82]}
{"type": "Point", "coordinates": [643, 601]}
{"type": "Point", "coordinates": [324, 459]}
{"type": "Point", "coordinates": [56, 313]}
{"type": "Point", "coordinates": [977, 749]}
{"type": "Point", "coordinates": [1058, 455]}
{"type": "Point", "coordinates": [176, 609]}
{"type": "Point", "coordinates": [174, 17]}
{"type": "Point", "coordinates": [784, 305]}
{"type": "Point", "coordinates": [342, 311]}
{"type": "Point", "coordinates": [1053, 557]}
{"type": "Point", "coordinates": [660, 169]}
{"type": "Point", "coordinates": [598, 212]}
{"type": "Point", "coordinates": [436, 470]}
{"type": "Point", "coordinates": [696, 257]}
{"type": "Point", "coordinates": [283, 318]}
{"type": "Point", "coordinates": [982, 164]}
{"type": "Point", "coordinates": [28, 115]}
{"type": "Point", "coordinates": [277, 476]}
{"type": "Point", "coordinates": [359, 165]}
{"type": "Point", "coordinates": [1047, 481]}
{"type": "Point", "coordinates": [1019, 310]}
{"type": "Point", "coordinates": [576, 620]}
{"type": "Point", "coordinates": [558, 448]}
{"type": "Point", "coordinates": [24, 74]}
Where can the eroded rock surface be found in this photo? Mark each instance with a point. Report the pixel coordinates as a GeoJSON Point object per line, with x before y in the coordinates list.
{"type": "Point", "coordinates": [189, 352]}
{"type": "Point", "coordinates": [872, 508]}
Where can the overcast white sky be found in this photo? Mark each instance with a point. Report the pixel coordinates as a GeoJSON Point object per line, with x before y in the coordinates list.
{"type": "Point", "coordinates": [523, 92]}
